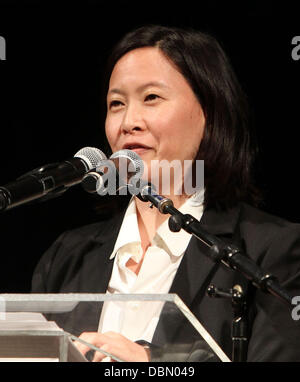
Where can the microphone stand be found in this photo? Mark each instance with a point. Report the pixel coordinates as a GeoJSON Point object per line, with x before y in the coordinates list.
{"type": "Point", "coordinates": [215, 248]}
{"type": "Point", "coordinates": [230, 255]}
{"type": "Point", "coordinates": [239, 326]}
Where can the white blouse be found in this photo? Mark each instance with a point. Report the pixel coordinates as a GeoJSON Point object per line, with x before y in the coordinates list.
{"type": "Point", "coordinates": [138, 320]}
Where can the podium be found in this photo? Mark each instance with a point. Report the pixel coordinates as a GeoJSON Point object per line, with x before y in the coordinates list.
{"type": "Point", "coordinates": [43, 327]}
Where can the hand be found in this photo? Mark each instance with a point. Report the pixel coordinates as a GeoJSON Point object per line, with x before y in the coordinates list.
{"type": "Point", "coordinates": [113, 343]}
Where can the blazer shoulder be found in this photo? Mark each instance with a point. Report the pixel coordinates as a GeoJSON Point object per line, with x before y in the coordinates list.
{"type": "Point", "coordinates": [73, 252]}
{"type": "Point", "coordinates": [261, 221]}
{"type": "Point", "coordinates": [78, 242]}
{"type": "Point", "coordinates": [99, 231]}
{"type": "Point", "coordinates": [267, 237]}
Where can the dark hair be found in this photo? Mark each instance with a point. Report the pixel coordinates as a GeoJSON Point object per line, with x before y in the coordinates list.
{"type": "Point", "coordinates": [227, 148]}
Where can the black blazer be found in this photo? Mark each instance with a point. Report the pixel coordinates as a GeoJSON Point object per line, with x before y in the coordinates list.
{"type": "Point", "coordinates": [78, 262]}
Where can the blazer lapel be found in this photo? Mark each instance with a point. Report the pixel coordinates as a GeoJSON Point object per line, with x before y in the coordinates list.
{"type": "Point", "coordinates": [196, 269]}
{"type": "Point", "coordinates": [86, 315]}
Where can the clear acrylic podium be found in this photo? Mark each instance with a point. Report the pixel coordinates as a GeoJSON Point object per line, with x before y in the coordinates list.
{"type": "Point", "coordinates": [42, 327]}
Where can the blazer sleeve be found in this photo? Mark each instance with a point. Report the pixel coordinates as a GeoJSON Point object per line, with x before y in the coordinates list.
{"type": "Point", "coordinates": [274, 334]}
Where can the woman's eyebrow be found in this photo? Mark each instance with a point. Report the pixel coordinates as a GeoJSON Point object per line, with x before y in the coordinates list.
{"type": "Point", "coordinates": [158, 84]}
{"type": "Point", "coordinates": [141, 87]}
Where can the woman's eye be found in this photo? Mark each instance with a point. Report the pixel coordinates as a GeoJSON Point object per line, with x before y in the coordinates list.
{"type": "Point", "coordinates": [151, 97]}
{"type": "Point", "coordinates": [115, 103]}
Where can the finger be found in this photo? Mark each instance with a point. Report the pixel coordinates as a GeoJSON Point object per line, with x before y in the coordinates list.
{"type": "Point", "coordinates": [113, 335]}
{"type": "Point", "coordinates": [100, 357]}
{"type": "Point", "coordinates": [86, 338]}
{"type": "Point", "coordinates": [81, 347]}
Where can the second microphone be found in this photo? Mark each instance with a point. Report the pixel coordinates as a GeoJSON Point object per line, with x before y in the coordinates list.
{"type": "Point", "coordinates": [115, 176]}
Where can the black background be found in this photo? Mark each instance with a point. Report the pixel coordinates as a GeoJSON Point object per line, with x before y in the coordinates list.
{"type": "Point", "coordinates": [50, 89]}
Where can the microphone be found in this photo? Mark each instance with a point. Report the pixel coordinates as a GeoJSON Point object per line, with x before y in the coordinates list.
{"type": "Point", "coordinates": [147, 193]}
{"type": "Point", "coordinates": [115, 175]}
{"type": "Point", "coordinates": [51, 179]}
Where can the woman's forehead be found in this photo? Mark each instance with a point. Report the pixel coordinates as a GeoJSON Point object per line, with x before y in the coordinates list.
{"type": "Point", "coordinates": [144, 67]}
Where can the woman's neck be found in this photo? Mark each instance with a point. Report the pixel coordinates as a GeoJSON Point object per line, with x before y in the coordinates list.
{"type": "Point", "coordinates": [149, 219]}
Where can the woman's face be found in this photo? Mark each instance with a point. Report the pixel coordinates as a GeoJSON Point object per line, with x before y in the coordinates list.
{"type": "Point", "coordinates": [151, 108]}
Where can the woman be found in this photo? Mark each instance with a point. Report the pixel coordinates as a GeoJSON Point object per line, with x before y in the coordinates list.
{"type": "Point", "coordinates": [172, 95]}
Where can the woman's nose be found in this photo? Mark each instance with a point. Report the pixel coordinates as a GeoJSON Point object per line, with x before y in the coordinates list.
{"type": "Point", "coordinates": [133, 121]}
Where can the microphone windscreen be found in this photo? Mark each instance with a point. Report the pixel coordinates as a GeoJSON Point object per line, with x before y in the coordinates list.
{"type": "Point", "coordinates": [91, 156]}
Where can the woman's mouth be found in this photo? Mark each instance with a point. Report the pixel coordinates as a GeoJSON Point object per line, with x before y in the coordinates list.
{"type": "Point", "coordinates": [137, 148]}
